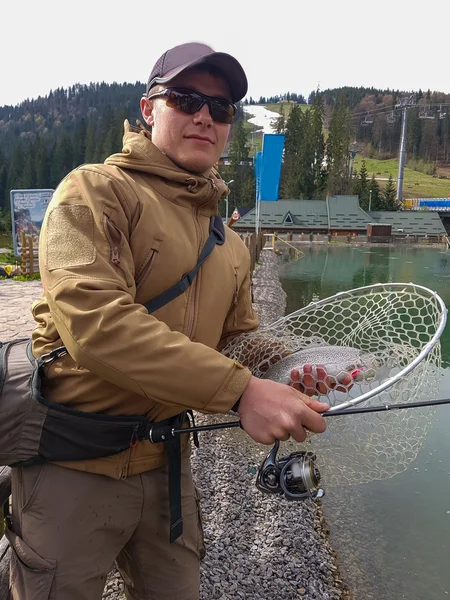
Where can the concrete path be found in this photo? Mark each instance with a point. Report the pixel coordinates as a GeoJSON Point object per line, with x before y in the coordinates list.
{"type": "Point", "coordinates": [16, 298]}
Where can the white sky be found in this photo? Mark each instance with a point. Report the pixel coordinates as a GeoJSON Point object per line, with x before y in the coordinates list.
{"type": "Point", "coordinates": [283, 46]}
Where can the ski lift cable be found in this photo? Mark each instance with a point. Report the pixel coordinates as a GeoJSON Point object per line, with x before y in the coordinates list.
{"type": "Point", "coordinates": [381, 110]}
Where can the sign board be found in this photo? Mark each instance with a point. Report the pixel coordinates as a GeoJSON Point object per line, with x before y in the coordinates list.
{"type": "Point", "coordinates": [27, 213]}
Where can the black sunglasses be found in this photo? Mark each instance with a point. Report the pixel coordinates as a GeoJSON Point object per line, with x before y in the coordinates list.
{"type": "Point", "coordinates": [190, 102]}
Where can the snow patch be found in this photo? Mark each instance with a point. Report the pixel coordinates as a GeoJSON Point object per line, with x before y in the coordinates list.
{"type": "Point", "coordinates": [262, 117]}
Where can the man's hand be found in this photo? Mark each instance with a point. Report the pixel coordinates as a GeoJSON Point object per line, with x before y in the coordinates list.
{"type": "Point", "coordinates": [272, 411]}
{"type": "Point", "coordinates": [319, 383]}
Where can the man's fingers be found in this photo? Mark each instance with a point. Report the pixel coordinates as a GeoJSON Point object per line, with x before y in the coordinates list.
{"type": "Point", "coordinates": [299, 435]}
{"type": "Point", "coordinates": [312, 421]}
{"type": "Point", "coordinates": [315, 404]}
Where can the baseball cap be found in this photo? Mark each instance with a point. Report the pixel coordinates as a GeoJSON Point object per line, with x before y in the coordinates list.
{"type": "Point", "coordinates": [185, 56]}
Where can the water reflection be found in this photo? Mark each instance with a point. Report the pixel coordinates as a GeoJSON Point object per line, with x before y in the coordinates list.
{"type": "Point", "coordinates": [392, 536]}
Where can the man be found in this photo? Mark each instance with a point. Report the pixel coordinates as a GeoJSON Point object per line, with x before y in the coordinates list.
{"type": "Point", "coordinates": [115, 236]}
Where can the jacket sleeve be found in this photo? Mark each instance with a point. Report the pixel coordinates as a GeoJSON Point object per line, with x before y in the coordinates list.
{"type": "Point", "coordinates": [241, 318]}
{"type": "Point", "coordinates": [91, 300]}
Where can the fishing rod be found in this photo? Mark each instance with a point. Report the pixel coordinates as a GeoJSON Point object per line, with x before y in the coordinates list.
{"type": "Point", "coordinates": [162, 434]}
{"type": "Point", "coordinates": [296, 476]}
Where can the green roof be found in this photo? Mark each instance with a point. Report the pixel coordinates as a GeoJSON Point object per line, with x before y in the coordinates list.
{"type": "Point", "coordinates": [345, 213]}
{"type": "Point", "coordinates": [338, 212]}
{"type": "Point", "coordinates": [411, 221]}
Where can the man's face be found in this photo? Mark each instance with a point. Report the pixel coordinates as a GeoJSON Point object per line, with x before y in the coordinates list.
{"type": "Point", "coordinates": [193, 142]}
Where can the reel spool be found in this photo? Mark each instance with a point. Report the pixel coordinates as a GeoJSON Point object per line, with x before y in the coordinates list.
{"type": "Point", "coordinates": [296, 476]}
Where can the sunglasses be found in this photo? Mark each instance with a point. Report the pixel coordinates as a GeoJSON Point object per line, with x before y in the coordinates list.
{"type": "Point", "coordinates": [190, 102]}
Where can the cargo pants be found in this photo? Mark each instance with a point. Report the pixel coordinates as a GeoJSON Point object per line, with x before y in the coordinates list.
{"type": "Point", "coordinates": [69, 527]}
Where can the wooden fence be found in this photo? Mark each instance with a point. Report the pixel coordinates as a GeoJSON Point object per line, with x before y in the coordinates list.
{"type": "Point", "coordinates": [5, 551]}
{"type": "Point", "coordinates": [29, 252]}
{"type": "Point", "coordinates": [254, 242]}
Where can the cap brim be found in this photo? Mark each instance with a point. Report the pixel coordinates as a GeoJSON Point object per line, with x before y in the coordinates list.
{"type": "Point", "coordinates": [232, 71]}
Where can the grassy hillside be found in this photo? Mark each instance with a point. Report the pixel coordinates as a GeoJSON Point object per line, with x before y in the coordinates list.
{"type": "Point", "coordinates": [286, 105]}
{"type": "Point", "coordinates": [415, 184]}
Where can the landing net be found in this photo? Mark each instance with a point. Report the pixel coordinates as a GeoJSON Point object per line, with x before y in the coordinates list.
{"type": "Point", "coordinates": [395, 330]}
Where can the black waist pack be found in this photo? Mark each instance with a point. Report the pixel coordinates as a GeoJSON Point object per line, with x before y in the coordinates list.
{"type": "Point", "coordinates": [33, 429]}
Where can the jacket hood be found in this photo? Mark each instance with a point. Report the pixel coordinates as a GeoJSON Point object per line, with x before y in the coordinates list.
{"type": "Point", "coordinates": [140, 154]}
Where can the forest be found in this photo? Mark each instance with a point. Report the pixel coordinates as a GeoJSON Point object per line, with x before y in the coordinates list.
{"type": "Point", "coordinates": [43, 139]}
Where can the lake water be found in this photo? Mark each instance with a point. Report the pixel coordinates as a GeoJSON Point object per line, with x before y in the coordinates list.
{"type": "Point", "coordinates": [393, 536]}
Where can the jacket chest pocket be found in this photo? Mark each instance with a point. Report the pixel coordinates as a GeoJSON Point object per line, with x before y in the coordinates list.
{"type": "Point", "coordinates": [147, 265]}
{"type": "Point", "coordinates": [116, 240]}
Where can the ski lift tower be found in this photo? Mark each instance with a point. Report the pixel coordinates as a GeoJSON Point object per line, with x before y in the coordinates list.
{"type": "Point", "coordinates": [405, 104]}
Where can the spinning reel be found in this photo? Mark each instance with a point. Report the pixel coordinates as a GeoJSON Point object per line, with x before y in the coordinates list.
{"type": "Point", "coordinates": [295, 476]}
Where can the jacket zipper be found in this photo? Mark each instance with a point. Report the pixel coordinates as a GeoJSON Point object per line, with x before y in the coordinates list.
{"type": "Point", "coordinates": [235, 297]}
{"type": "Point", "coordinates": [116, 241]}
{"type": "Point", "coordinates": [190, 318]}
{"type": "Point", "coordinates": [146, 268]}
{"type": "Point", "coordinates": [115, 245]}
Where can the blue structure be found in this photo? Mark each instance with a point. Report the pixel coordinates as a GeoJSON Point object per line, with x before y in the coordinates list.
{"type": "Point", "coordinates": [436, 204]}
{"type": "Point", "coordinates": [268, 167]}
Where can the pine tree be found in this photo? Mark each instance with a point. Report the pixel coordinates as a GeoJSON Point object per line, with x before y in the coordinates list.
{"type": "Point", "coordinates": [29, 174]}
{"type": "Point", "coordinates": [361, 186]}
{"type": "Point", "coordinates": [79, 142]}
{"type": "Point", "coordinates": [4, 200]}
{"type": "Point", "coordinates": [375, 202]}
{"type": "Point", "coordinates": [16, 168]}
{"type": "Point", "coordinates": [108, 135]}
{"type": "Point", "coordinates": [281, 121]}
{"type": "Point", "coordinates": [389, 197]}
{"type": "Point", "coordinates": [62, 161]}
{"type": "Point", "coordinates": [338, 150]}
{"type": "Point", "coordinates": [91, 141]}
{"type": "Point", "coordinates": [295, 128]}
{"type": "Point", "coordinates": [317, 142]}
{"type": "Point", "coordinates": [42, 165]}
{"type": "Point", "coordinates": [240, 169]}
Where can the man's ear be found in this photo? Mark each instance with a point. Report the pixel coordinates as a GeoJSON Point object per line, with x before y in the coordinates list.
{"type": "Point", "coordinates": [147, 111]}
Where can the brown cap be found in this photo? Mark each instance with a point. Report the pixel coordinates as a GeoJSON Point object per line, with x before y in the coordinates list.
{"type": "Point", "coordinates": [179, 58]}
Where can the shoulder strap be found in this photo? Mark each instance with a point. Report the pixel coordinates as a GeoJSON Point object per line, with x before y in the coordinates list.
{"type": "Point", "coordinates": [216, 236]}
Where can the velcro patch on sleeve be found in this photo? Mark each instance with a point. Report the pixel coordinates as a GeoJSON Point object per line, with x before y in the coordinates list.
{"type": "Point", "coordinates": [70, 237]}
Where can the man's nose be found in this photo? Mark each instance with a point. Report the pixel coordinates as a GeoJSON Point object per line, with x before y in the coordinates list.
{"type": "Point", "coordinates": [203, 116]}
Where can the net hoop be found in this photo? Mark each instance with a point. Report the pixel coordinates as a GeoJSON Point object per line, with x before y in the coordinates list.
{"type": "Point", "coordinates": [420, 290]}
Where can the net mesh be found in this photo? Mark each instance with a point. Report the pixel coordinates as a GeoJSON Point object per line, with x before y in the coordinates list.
{"type": "Point", "coordinates": [364, 339]}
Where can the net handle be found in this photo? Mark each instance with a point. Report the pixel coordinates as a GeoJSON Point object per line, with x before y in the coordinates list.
{"type": "Point", "coordinates": [423, 353]}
